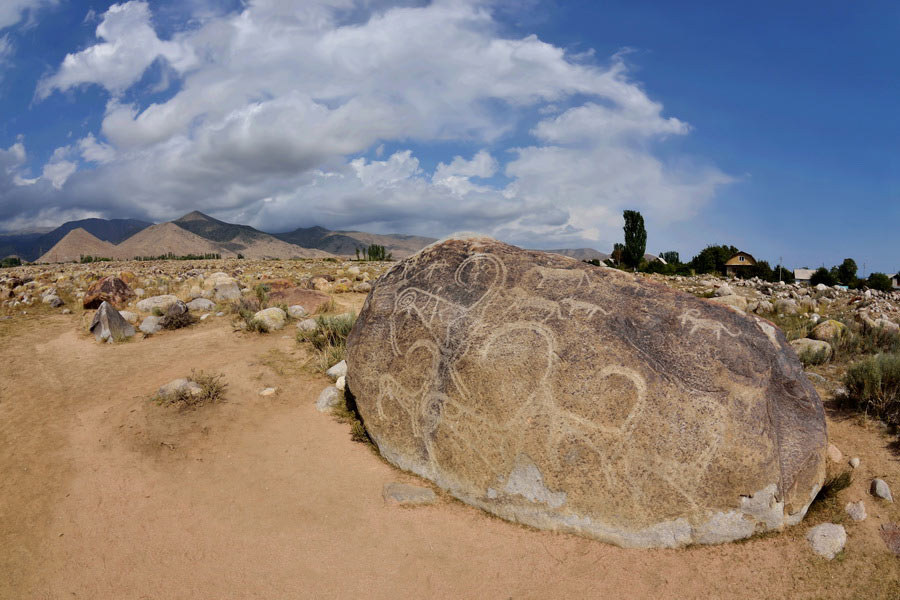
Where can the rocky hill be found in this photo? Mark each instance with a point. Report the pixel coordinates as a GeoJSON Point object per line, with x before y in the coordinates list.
{"type": "Point", "coordinates": [30, 245]}
{"type": "Point", "coordinates": [74, 245]}
{"type": "Point", "coordinates": [345, 243]}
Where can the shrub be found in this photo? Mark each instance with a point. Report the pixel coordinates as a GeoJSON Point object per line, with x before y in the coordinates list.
{"type": "Point", "coordinates": [329, 339]}
{"type": "Point", "coordinates": [212, 389]}
{"type": "Point", "coordinates": [857, 341]}
{"type": "Point", "coordinates": [176, 320]}
{"type": "Point", "coordinates": [814, 357]}
{"type": "Point", "coordinates": [10, 261]}
{"type": "Point", "coordinates": [262, 294]}
{"type": "Point", "coordinates": [873, 385]}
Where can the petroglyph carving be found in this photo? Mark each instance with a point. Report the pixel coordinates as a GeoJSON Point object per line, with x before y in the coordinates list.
{"type": "Point", "coordinates": [512, 383]}
{"type": "Point", "coordinates": [697, 323]}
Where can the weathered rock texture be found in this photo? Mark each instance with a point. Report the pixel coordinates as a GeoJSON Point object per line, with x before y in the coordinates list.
{"type": "Point", "coordinates": [109, 326]}
{"type": "Point", "coordinates": [584, 399]}
{"type": "Point", "coordinates": [108, 289]}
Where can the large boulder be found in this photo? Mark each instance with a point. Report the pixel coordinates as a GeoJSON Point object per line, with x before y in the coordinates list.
{"type": "Point", "coordinates": [567, 397]}
{"type": "Point", "coordinates": [157, 302]}
{"type": "Point", "coordinates": [828, 330]}
{"type": "Point", "coordinates": [109, 326]}
{"type": "Point", "coordinates": [273, 318]}
{"type": "Point", "coordinates": [812, 350]}
{"type": "Point", "coordinates": [109, 289]}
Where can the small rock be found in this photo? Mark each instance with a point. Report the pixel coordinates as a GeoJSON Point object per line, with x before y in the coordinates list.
{"type": "Point", "coordinates": [151, 325]}
{"type": "Point", "coordinates": [201, 304]}
{"type": "Point", "coordinates": [66, 311]}
{"type": "Point", "coordinates": [834, 454]}
{"type": "Point", "coordinates": [827, 539]}
{"type": "Point", "coordinates": [854, 462]}
{"type": "Point", "coordinates": [205, 316]}
{"type": "Point", "coordinates": [268, 391]}
{"type": "Point", "coordinates": [341, 383]}
{"type": "Point", "coordinates": [338, 370]}
{"type": "Point", "coordinates": [856, 510]}
{"type": "Point", "coordinates": [724, 290]}
{"type": "Point", "coordinates": [220, 314]}
{"type": "Point", "coordinates": [178, 385]}
{"type": "Point", "coordinates": [890, 533]}
{"type": "Point", "coordinates": [328, 399]}
{"type": "Point", "coordinates": [307, 325]}
{"type": "Point", "coordinates": [880, 489]}
{"type": "Point", "coordinates": [403, 494]}
{"type": "Point", "coordinates": [296, 312]}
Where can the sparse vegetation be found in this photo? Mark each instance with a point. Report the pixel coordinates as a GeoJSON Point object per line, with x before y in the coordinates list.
{"type": "Point", "coordinates": [212, 389]}
{"type": "Point", "coordinates": [261, 291]}
{"type": "Point", "coordinates": [374, 252]}
{"type": "Point", "coordinates": [85, 259]}
{"type": "Point", "coordinates": [873, 387]}
{"type": "Point", "coordinates": [177, 320]}
{"type": "Point", "coordinates": [10, 261]}
{"type": "Point", "coordinates": [245, 311]}
{"type": "Point", "coordinates": [328, 339]}
{"type": "Point", "coordinates": [825, 502]}
{"type": "Point", "coordinates": [814, 357]}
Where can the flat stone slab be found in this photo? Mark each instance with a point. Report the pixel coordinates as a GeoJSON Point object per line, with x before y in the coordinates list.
{"type": "Point", "coordinates": [827, 539]}
{"type": "Point", "coordinates": [404, 494]}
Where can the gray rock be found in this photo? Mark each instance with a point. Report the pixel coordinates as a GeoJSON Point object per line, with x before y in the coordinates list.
{"type": "Point", "coordinates": [129, 316]}
{"type": "Point", "coordinates": [880, 489]}
{"type": "Point", "coordinates": [226, 289]}
{"type": "Point", "coordinates": [856, 510]}
{"type": "Point", "coordinates": [296, 311]}
{"type": "Point", "coordinates": [161, 302]}
{"type": "Point", "coordinates": [201, 304]}
{"type": "Point", "coordinates": [404, 494]}
{"type": "Point", "coordinates": [307, 325]}
{"type": "Point", "coordinates": [363, 287]}
{"type": "Point", "coordinates": [854, 462]}
{"type": "Point", "coordinates": [724, 290]}
{"type": "Point", "coordinates": [827, 539]}
{"type": "Point", "coordinates": [180, 385]}
{"type": "Point", "coordinates": [338, 370]}
{"type": "Point", "coordinates": [328, 399]}
{"type": "Point", "coordinates": [109, 326]}
{"type": "Point", "coordinates": [807, 347]}
{"type": "Point", "coordinates": [151, 325]}
{"type": "Point", "coordinates": [786, 306]}
{"type": "Point", "coordinates": [273, 318]}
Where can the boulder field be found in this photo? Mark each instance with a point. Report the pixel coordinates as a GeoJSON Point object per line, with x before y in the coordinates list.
{"type": "Point", "coordinates": [578, 398]}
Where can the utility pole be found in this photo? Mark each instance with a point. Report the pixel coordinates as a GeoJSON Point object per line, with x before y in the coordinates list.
{"type": "Point", "coordinates": [780, 266]}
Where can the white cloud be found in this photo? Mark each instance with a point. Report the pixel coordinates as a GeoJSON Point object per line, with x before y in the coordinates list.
{"type": "Point", "coordinates": [129, 46]}
{"type": "Point", "coordinates": [59, 168]}
{"type": "Point", "coordinates": [268, 126]}
{"type": "Point", "coordinates": [13, 11]}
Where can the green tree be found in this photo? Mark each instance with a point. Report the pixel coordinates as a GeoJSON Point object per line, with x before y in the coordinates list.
{"type": "Point", "coordinates": [635, 238]}
{"type": "Point", "coordinates": [822, 275]}
{"type": "Point", "coordinates": [618, 250]}
{"type": "Point", "coordinates": [671, 257]}
{"type": "Point", "coordinates": [846, 273]}
{"type": "Point", "coordinates": [880, 282]}
{"type": "Point", "coordinates": [712, 259]}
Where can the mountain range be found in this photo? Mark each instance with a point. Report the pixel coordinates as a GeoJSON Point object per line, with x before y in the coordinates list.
{"type": "Point", "coordinates": [194, 233]}
{"type": "Point", "coordinates": [198, 234]}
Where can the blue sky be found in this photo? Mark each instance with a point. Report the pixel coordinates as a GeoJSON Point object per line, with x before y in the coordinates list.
{"type": "Point", "coordinates": [770, 126]}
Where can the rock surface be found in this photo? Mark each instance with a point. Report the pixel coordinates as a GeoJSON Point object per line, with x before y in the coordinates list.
{"type": "Point", "coordinates": [856, 510]}
{"type": "Point", "coordinates": [151, 325]}
{"type": "Point", "coordinates": [828, 330]}
{"type": "Point", "coordinates": [404, 494]}
{"type": "Point", "coordinates": [827, 539]}
{"type": "Point", "coordinates": [109, 326]}
{"type": "Point", "coordinates": [575, 398]}
{"type": "Point", "coordinates": [812, 348]}
{"type": "Point", "coordinates": [161, 302]}
{"type": "Point", "coordinates": [201, 304]}
{"type": "Point", "coordinates": [328, 399]}
{"type": "Point", "coordinates": [337, 371]}
{"type": "Point", "coordinates": [108, 289]}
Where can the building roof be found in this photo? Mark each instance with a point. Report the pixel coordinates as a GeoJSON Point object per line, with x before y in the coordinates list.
{"type": "Point", "coordinates": [803, 274]}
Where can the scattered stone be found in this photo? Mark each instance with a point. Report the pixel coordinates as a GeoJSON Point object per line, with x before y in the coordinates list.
{"type": "Point", "coordinates": [854, 462]}
{"type": "Point", "coordinates": [109, 289]}
{"type": "Point", "coordinates": [161, 302]}
{"type": "Point", "coordinates": [328, 399]}
{"type": "Point", "coordinates": [109, 326]}
{"type": "Point", "coordinates": [341, 383]}
{"type": "Point", "coordinates": [890, 533]}
{"type": "Point", "coordinates": [54, 301]}
{"type": "Point", "coordinates": [880, 489]}
{"type": "Point", "coordinates": [273, 318]}
{"type": "Point", "coordinates": [363, 287]}
{"type": "Point", "coordinates": [553, 393]}
{"type": "Point", "coordinates": [353, 271]}
{"type": "Point", "coordinates": [834, 454]}
{"type": "Point", "coordinates": [151, 325]}
{"type": "Point", "coordinates": [856, 510]}
{"type": "Point", "coordinates": [827, 539]}
{"type": "Point", "coordinates": [786, 306]}
{"type": "Point", "coordinates": [307, 325]}
{"type": "Point", "coordinates": [269, 391]}
{"type": "Point", "coordinates": [205, 316]}
{"type": "Point", "coordinates": [338, 370]}
{"type": "Point", "coordinates": [296, 311]}
{"type": "Point", "coordinates": [724, 290]}
{"type": "Point", "coordinates": [403, 494]}
{"type": "Point", "coordinates": [201, 304]}
{"type": "Point", "coordinates": [226, 289]}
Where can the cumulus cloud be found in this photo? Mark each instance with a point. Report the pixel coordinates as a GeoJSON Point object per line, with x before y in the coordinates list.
{"type": "Point", "coordinates": [278, 108]}
{"type": "Point", "coordinates": [129, 46]}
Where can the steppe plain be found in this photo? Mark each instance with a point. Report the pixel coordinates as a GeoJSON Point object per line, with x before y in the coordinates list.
{"type": "Point", "coordinates": [107, 494]}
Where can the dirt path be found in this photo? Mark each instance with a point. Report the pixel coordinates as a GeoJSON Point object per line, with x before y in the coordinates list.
{"type": "Point", "coordinates": [106, 495]}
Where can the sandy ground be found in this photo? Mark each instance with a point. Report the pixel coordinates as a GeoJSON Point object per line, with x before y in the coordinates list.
{"type": "Point", "coordinates": [107, 495]}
